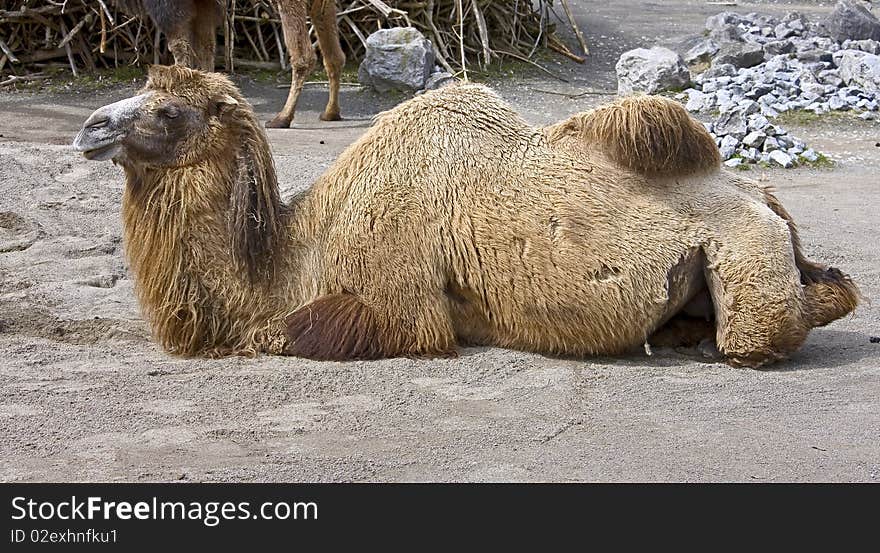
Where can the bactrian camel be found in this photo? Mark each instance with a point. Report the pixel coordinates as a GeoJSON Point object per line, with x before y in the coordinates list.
{"type": "Point", "coordinates": [190, 27]}
{"type": "Point", "coordinates": [451, 221]}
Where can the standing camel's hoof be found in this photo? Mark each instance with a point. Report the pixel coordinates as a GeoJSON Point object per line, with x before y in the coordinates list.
{"type": "Point", "coordinates": [330, 116]}
{"type": "Point", "coordinates": [278, 123]}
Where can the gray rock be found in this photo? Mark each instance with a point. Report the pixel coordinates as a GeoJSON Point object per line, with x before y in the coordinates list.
{"type": "Point", "coordinates": [810, 155]}
{"type": "Point", "coordinates": [728, 147]}
{"type": "Point", "coordinates": [813, 55]}
{"type": "Point", "coordinates": [860, 69]}
{"type": "Point", "coordinates": [770, 144]}
{"type": "Point", "coordinates": [830, 77]}
{"type": "Point", "coordinates": [650, 71]}
{"type": "Point", "coordinates": [867, 116]}
{"type": "Point", "coordinates": [784, 31]}
{"type": "Point", "coordinates": [870, 46]}
{"type": "Point", "coordinates": [697, 101]}
{"type": "Point", "coordinates": [727, 33]}
{"type": "Point", "coordinates": [701, 51]}
{"type": "Point", "coordinates": [719, 70]}
{"type": "Point", "coordinates": [777, 47]}
{"type": "Point", "coordinates": [812, 90]}
{"type": "Point", "coordinates": [400, 58]}
{"type": "Point", "coordinates": [739, 55]}
{"type": "Point", "coordinates": [439, 80]}
{"type": "Point", "coordinates": [722, 19]}
{"type": "Point", "coordinates": [781, 158]}
{"type": "Point", "coordinates": [837, 103]}
{"type": "Point", "coordinates": [850, 20]}
{"type": "Point", "coordinates": [758, 122]}
{"type": "Point", "coordinates": [733, 162]}
{"type": "Point", "coordinates": [748, 107]}
{"type": "Point", "coordinates": [754, 139]}
{"type": "Point", "coordinates": [796, 21]}
{"type": "Point", "coordinates": [732, 123]}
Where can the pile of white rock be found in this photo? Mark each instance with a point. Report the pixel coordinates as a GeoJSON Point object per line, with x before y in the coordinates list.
{"type": "Point", "coordinates": [756, 67]}
{"type": "Point", "coordinates": [831, 65]}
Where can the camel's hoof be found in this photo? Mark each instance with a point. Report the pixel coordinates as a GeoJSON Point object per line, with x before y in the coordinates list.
{"type": "Point", "coordinates": [278, 123]}
{"type": "Point", "coordinates": [330, 116]}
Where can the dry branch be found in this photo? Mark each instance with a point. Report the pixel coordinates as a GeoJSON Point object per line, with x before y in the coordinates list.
{"type": "Point", "coordinates": [99, 33]}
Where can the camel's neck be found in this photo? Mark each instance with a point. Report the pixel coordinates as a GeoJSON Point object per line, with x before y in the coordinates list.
{"type": "Point", "coordinates": [206, 253]}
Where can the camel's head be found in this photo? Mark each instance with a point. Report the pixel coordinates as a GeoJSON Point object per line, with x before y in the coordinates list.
{"type": "Point", "coordinates": [180, 117]}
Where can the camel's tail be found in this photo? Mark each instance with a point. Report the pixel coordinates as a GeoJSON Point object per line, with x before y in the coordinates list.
{"type": "Point", "coordinates": [651, 135]}
{"type": "Point", "coordinates": [829, 293]}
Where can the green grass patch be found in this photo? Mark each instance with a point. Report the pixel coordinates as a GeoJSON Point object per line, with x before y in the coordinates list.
{"type": "Point", "coordinates": [804, 118]}
{"type": "Point", "coordinates": [822, 162]}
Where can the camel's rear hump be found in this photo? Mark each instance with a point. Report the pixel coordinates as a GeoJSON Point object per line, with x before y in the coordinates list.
{"type": "Point", "coordinates": [651, 135]}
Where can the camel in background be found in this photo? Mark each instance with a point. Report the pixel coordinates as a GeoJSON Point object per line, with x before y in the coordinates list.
{"type": "Point", "coordinates": [190, 27]}
{"type": "Point", "coordinates": [302, 56]}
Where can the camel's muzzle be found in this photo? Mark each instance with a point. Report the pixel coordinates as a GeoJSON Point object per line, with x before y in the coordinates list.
{"type": "Point", "coordinates": [102, 133]}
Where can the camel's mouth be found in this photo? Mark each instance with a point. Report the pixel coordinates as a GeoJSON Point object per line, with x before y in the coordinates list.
{"type": "Point", "coordinates": [102, 153]}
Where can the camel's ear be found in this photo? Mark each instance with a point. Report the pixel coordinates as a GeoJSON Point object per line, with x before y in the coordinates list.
{"type": "Point", "coordinates": [223, 104]}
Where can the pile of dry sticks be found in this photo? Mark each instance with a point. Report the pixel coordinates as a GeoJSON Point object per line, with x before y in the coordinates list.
{"type": "Point", "coordinates": [85, 35]}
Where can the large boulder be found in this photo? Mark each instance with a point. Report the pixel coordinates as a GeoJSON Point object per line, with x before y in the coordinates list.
{"type": "Point", "coordinates": [859, 69]}
{"type": "Point", "coordinates": [850, 20]}
{"type": "Point", "coordinates": [651, 71]}
{"type": "Point", "coordinates": [400, 58]}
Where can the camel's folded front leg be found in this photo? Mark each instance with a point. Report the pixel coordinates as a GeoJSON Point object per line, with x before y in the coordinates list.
{"type": "Point", "coordinates": [388, 302]}
{"type": "Point", "coordinates": [755, 287]}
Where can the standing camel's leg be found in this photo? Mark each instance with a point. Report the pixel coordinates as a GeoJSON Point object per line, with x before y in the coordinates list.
{"type": "Point", "coordinates": [209, 14]}
{"type": "Point", "coordinates": [755, 286]}
{"type": "Point", "coordinates": [302, 57]}
{"type": "Point", "coordinates": [323, 15]}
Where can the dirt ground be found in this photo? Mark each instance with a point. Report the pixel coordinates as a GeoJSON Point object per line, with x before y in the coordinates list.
{"type": "Point", "coordinates": [85, 395]}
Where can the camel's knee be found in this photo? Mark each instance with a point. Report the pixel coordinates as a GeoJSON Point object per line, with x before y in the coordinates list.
{"type": "Point", "coordinates": [756, 291]}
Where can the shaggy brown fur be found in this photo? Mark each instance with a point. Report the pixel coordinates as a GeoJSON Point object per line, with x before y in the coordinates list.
{"type": "Point", "coordinates": [648, 134]}
{"type": "Point", "coordinates": [828, 293]}
{"type": "Point", "coordinates": [450, 221]}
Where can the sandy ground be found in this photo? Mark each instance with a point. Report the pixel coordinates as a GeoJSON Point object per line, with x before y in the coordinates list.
{"type": "Point", "coordinates": [85, 395]}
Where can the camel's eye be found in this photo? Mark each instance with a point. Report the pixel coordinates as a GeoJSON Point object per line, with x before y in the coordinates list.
{"type": "Point", "coordinates": [169, 112]}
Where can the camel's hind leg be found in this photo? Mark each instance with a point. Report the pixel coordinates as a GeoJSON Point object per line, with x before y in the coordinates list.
{"type": "Point", "coordinates": [209, 14]}
{"type": "Point", "coordinates": [323, 15]}
{"type": "Point", "coordinates": [302, 57]}
{"type": "Point", "coordinates": [755, 287]}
